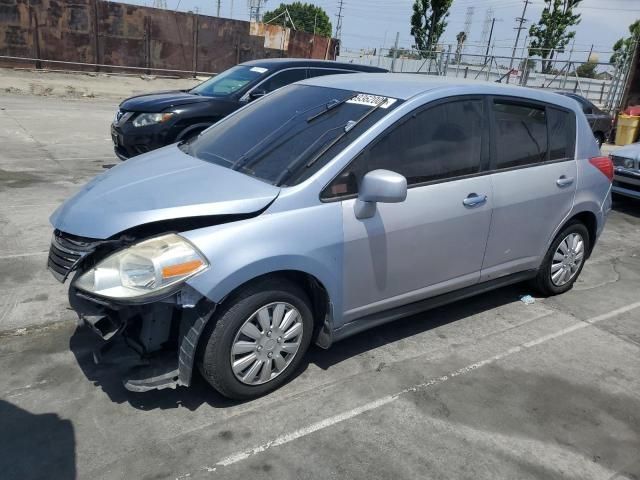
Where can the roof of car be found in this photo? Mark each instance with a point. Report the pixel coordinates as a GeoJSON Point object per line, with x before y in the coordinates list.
{"type": "Point", "coordinates": [406, 85]}
{"type": "Point", "coordinates": [280, 63]}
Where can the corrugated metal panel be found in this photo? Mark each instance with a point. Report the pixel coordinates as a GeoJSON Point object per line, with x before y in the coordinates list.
{"type": "Point", "coordinates": [93, 31]}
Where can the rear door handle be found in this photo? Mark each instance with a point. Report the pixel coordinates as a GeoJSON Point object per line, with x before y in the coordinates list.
{"type": "Point", "coordinates": [563, 181]}
{"type": "Point", "coordinates": [473, 200]}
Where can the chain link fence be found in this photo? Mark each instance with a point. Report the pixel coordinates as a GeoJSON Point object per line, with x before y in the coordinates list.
{"type": "Point", "coordinates": [601, 83]}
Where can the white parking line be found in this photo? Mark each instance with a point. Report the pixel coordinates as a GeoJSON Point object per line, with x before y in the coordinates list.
{"type": "Point", "coordinates": [328, 422]}
{"type": "Point", "coordinates": [20, 255]}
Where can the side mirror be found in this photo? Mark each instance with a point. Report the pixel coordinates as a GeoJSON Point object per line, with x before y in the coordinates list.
{"type": "Point", "coordinates": [381, 186]}
{"type": "Point", "coordinates": [257, 93]}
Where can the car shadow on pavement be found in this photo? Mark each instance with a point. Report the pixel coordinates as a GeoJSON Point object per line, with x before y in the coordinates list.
{"type": "Point", "coordinates": [35, 446]}
{"type": "Point", "coordinates": [108, 377]}
{"type": "Point", "coordinates": [413, 325]}
{"type": "Point", "coordinates": [629, 206]}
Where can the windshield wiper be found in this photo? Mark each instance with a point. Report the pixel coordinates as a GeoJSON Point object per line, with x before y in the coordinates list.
{"type": "Point", "coordinates": [246, 158]}
{"type": "Point", "coordinates": [350, 125]}
{"type": "Point", "coordinates": [330, 106]}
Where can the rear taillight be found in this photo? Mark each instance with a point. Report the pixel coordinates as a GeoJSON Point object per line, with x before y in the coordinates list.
{"type": "Point", "coordinates": [604, 164]}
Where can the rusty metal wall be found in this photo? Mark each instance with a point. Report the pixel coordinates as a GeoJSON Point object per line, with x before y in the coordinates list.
{"type": "Point", "coordinates": [110, 33]}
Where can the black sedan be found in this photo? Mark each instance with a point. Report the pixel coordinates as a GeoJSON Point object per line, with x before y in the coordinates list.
{"type": "Point", "coordinates": [146, 122]}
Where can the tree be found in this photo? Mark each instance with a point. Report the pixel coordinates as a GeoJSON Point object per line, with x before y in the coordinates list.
{"type": "Point", "coordinates": [428, 23]}
{"type": "Point", "coordinates": [460, 38]}
{"type": "Point", "coordinates": [550, 35]}
{"type": "Point", "coordinates": [305, 17]}
{"type": "Point", "coordinates": [624, 47]}
{"type": "Point", "coordinates": [587, 70]}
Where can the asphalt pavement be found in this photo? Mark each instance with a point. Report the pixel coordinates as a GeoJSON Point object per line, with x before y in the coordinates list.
{"type": "Point", "coordinates": [486, 388]}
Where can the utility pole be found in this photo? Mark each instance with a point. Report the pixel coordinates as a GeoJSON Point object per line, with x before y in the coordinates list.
{"type": "Point", "coordinates": [519, 28]}
{"type": "Point", "coordinates": [339, 22]}
{"type": "Point", "coordinates": [218, 8]}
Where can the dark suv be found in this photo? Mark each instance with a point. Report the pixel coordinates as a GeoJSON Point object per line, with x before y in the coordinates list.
{"type": "Point", "coordinates": [600, 122]}
{"type": "Point", "coordinates": [146, 122]}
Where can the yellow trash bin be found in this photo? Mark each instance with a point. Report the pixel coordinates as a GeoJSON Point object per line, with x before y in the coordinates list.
{"type": "Point", "coordinates": [627, 130]}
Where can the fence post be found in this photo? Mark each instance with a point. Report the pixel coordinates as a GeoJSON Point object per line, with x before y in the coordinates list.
{"type": "Point", "coordinates": [466, 72]}
{"type": "Point", "coordinates": [36, 36]}
{"type": "Point", "coordinates": [195, 45]}
{"type": "Point", "coordinates": [147, 44]}
{"type": "Point", "coordinates": [525, 72]}
{"type": "Point", "coordinates": [96, 39]}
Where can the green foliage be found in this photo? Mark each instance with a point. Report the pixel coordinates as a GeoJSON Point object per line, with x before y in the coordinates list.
{"type": "Point", "coordinates": [428, 23]}
{"type": "Point", "coordinates": [624, 47]}
{"type": "Point", "coordinates": [304, 15]}
{"type": "Point", "coordinates": [587, 70]}
{"type": "Point", "coordinates": [550, 35]}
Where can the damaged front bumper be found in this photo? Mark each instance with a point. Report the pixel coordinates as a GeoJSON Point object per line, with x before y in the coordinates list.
{"type": "Point", "coordinates": [163, 332]}
{"type": "Point", "coordinates": [164, 335]}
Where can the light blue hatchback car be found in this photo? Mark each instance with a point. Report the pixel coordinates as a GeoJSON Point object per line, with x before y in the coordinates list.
{"type": "Point", "coordinates": [323, 209]}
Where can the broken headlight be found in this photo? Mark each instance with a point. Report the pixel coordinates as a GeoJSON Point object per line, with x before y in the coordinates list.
{"type": "Point", "coordinates": [147, 268]}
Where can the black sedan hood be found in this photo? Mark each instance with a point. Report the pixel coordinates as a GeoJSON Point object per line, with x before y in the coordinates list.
{"type": "Point", "coordinates": [160, 101]}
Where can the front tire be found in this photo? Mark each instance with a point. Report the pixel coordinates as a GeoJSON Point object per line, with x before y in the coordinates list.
{"type": "Point", "coordinates": [564, 260]}
{"type": "Point", "coordinates": [256, 341]}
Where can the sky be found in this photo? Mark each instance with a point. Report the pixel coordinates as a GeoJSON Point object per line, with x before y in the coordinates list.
{"type": "Point", "coordinates": [374, 23]}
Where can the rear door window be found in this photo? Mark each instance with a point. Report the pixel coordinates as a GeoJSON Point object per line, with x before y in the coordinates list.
{"type": "Point", "coordinates": [520, 134]}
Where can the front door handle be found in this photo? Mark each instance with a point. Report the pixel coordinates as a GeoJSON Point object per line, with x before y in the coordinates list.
{"type": "Point", "coordinates": [473, 200]}
{"type": "Point", "coordinates": [564, 181]}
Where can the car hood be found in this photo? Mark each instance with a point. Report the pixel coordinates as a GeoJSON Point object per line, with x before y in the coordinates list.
{"type": "Point", "coordinates": [160, 101]}
{"type": "Point", "coordinates": [628, 151]}
{"type": "Point", "coordinates": [165, 184]}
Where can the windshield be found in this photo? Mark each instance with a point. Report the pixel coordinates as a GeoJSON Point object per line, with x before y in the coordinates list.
{"type": "Point", "coordinates": [289, 134]}
{"type": "Point", "coordinates": [229, 81]}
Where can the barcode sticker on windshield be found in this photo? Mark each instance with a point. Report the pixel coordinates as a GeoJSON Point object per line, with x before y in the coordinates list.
{"type": "Point", "coordinates": [372, 100]}
{"type": "Point", "coordinates": [259, 69]}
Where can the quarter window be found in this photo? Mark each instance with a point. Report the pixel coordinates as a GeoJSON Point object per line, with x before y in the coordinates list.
{"type": "Point", "coordinates": [441, 142]}
{"type": "Point", "coordinates": [521, 134]}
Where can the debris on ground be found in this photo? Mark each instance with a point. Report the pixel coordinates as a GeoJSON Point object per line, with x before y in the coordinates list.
{"type": "Point", "coordinates": [527, 299]}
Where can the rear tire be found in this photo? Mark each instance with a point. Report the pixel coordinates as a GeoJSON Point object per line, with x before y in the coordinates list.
{"type": "Point", "coordinates": [260, 309]}
{"type": "Point", "coordinates": [550, 279]}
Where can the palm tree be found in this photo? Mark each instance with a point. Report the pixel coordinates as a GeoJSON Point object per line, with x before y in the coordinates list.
{"type": "Point", "coordinates": [461, 38]}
